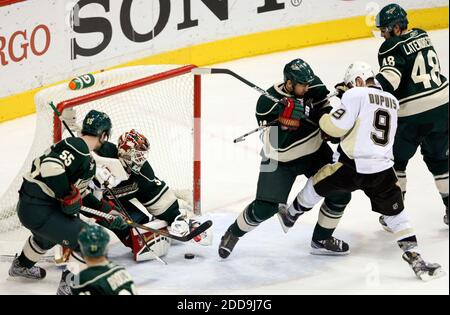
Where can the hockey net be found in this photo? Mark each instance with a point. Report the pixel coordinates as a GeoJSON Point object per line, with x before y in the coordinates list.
{"type": "Point", "coordinates": [162, 102]}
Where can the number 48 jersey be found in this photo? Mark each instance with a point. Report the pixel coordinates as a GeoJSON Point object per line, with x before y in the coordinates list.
{"type": "Point", "coordinates": [366, 122]}
{"type": "Point", "coordinates": [410, 70]}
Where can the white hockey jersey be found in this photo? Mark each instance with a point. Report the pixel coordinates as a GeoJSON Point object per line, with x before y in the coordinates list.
{"type": "Point", "coordinates": [366, 122]}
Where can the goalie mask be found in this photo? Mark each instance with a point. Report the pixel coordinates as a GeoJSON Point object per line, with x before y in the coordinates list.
{"type": "Point", "coordinates": [133, 149]}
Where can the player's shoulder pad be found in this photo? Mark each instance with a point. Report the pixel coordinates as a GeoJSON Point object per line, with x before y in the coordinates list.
{"type": "Point", "coordinates": [266, 105]}
{"type": "Point", "coordinates": [316, 83]}
{"type": "Point", "coordinates": [275, 91]}
{"type": "Point", "coordinates": [416, 31]}
{"type": "Point", "coordinates": [317, 90]}
{"type": "Point", "coordinates": [389, 45]}
{"type": "Point", "coordinates": [76, 145]}
{"type": "Point", "coordinates": [146, 171]}
{"type": "Point", "coordinates": [109, 150]}
{"type": "Point", "coordinates": [353, 94]}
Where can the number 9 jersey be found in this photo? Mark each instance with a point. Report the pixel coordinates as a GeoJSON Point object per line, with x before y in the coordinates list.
{"type": "Point", "coordinates": [410, 70]}
{"type": "Point", "coordinates": [366, 122]}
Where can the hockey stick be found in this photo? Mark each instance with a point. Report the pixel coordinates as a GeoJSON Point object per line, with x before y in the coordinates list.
{"type": "Point", "coordinates": [121, 209]}
{"type": "Point", "coordinates": [273, 123]}
{"type": "Point", "coordinates": [197, 231]}
{"type": "Point", "coordinates": [259, 90]}
{"type": "Point", "coordinates": [242, 138]}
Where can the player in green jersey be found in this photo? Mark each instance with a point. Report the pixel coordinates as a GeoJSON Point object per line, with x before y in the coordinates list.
{"type": "Point", "coordinates": [291, 148]}
{"type": "Point", "coordinates": [101, 277]}
{"type": "Point", "coordinates": [52, 193]}
{"type": "Point", "coordinates": [410, 70]}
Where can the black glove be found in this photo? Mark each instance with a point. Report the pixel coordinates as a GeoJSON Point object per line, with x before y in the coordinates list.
{"type": "Point", "coordinates": [341, 88]}
{"type": "Point", "coordinates": [314, 113]}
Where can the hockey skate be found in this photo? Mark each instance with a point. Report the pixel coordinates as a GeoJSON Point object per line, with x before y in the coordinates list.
{"type": "Point", "coordinates": [329, 247]}
{"type": "Point", "coordinates": [287, 220]}
{"type": "Point", "coordinates": [384, 225]}
{"type": "Point", "coordinates": [423, 270]}
{"type": "Point", "coordinates": [227, 244]}
{"type": "Point", "coordinates": [64, 287]}
{"type": "Point", "coordinates": [17, 270]}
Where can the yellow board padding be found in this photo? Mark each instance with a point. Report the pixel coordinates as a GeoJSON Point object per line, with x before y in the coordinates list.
{"type": "Point", "coordinates": [251, 45]}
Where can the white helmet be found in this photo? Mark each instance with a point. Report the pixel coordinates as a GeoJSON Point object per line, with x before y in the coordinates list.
{"type": "Point", "coordinates": [358, 69]}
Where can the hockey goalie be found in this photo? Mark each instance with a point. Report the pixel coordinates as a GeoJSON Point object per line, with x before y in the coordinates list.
{"type": "Point", "coordinates": [125, 170]}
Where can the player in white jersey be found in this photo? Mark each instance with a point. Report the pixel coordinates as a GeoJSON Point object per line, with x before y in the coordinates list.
{"type": "Point", "coordinates": [366, 122]}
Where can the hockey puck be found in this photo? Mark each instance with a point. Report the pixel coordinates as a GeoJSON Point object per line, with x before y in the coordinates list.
{"type": "Point", "coordinates": [189, 256]}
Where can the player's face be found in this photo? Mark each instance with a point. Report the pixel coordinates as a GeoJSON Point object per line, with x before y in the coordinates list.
{"type": "Point", "coordinates": [300, 89]}
{"type": "Point", "coordinates": [385, 33]}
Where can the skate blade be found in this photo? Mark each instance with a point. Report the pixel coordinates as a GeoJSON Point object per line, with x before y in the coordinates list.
{"type": "Point", "coordinates": [438, 273]}
{"type": "Point", "coordinates": [387, 229]}
{"type": "Point", "coordinates": [283, 226]}
{"type": "Point", "coordinates": [326, 252]}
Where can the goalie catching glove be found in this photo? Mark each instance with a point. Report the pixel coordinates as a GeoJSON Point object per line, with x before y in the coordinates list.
{"type": "Point", "coordinates": [182, 226]}
{"type": "Point", "coordinates": [293, 112]}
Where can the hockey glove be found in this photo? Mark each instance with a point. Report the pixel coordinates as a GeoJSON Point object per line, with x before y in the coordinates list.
{"type": "Point", "coordinates": [104, 178]}
{"type": "Point", "coordinates": [71, 204]}
{"type": "Point", "coordinates": [293, 112]}
{"type": "Point", "coordinates": [119, 221]}
{"type": "Point", "coordinates": [341, 88]}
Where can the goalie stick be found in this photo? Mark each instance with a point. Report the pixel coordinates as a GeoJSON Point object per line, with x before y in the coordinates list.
{"type": "Point", "coordinates": [259, 90]}
{"type": "Point", "coordinates": [197, 231]}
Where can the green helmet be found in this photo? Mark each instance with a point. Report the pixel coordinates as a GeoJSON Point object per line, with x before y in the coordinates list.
{"type": "Point", "coordinates": [95, 123]}
{"type": "Point", "coordinates": [93, 240]}
{"type": "Point", "coordinates": [298, 71]}
{"type": "Point", "coordinates": [391, 15]}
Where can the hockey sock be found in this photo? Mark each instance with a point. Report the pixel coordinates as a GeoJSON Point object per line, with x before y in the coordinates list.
{"type": "Point", "coordinates": [31, 253]}
{"type": "Point", "coordinates": [442, 186]}
{"type": "Point", "coordinates": [329, 217]}
{"type": "Point", "coordinates": [297, 208]}
{"type": "Point", "coordinates": [255, 213]}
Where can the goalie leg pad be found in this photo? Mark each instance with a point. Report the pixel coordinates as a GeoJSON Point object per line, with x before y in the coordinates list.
{"type": "Point", "coordinates": [158, 244]}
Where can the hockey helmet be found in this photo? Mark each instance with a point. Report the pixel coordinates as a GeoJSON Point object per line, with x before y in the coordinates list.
{"type": "Point", "coordinates": [298, 71]}
{"type": "Point", "coordinates": [95, 123]}
{"type": "Point", "coordinates": [133, 149]}
{"type": "Point", "coordinates": [358, 69]}
{"type": "Point", "coordinates": [93, 241]}
{"type": "Point", "coordinates": [392, 15]}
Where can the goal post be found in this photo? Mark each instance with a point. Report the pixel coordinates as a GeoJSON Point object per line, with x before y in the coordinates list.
{"type": "Point", "coordinates": [163, 102]}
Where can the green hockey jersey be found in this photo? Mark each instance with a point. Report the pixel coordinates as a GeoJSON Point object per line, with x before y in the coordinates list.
{"type": "Point", "coordinates": [107, 279]}
{"type": "Point", "coordinates": [283, 145]}
{"type": "Point", "coordinates": [142, 184]}
{"type": "Point", "coordinates": [63, 164]}
{"type": "Point", "coordinates": [410, 70]}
